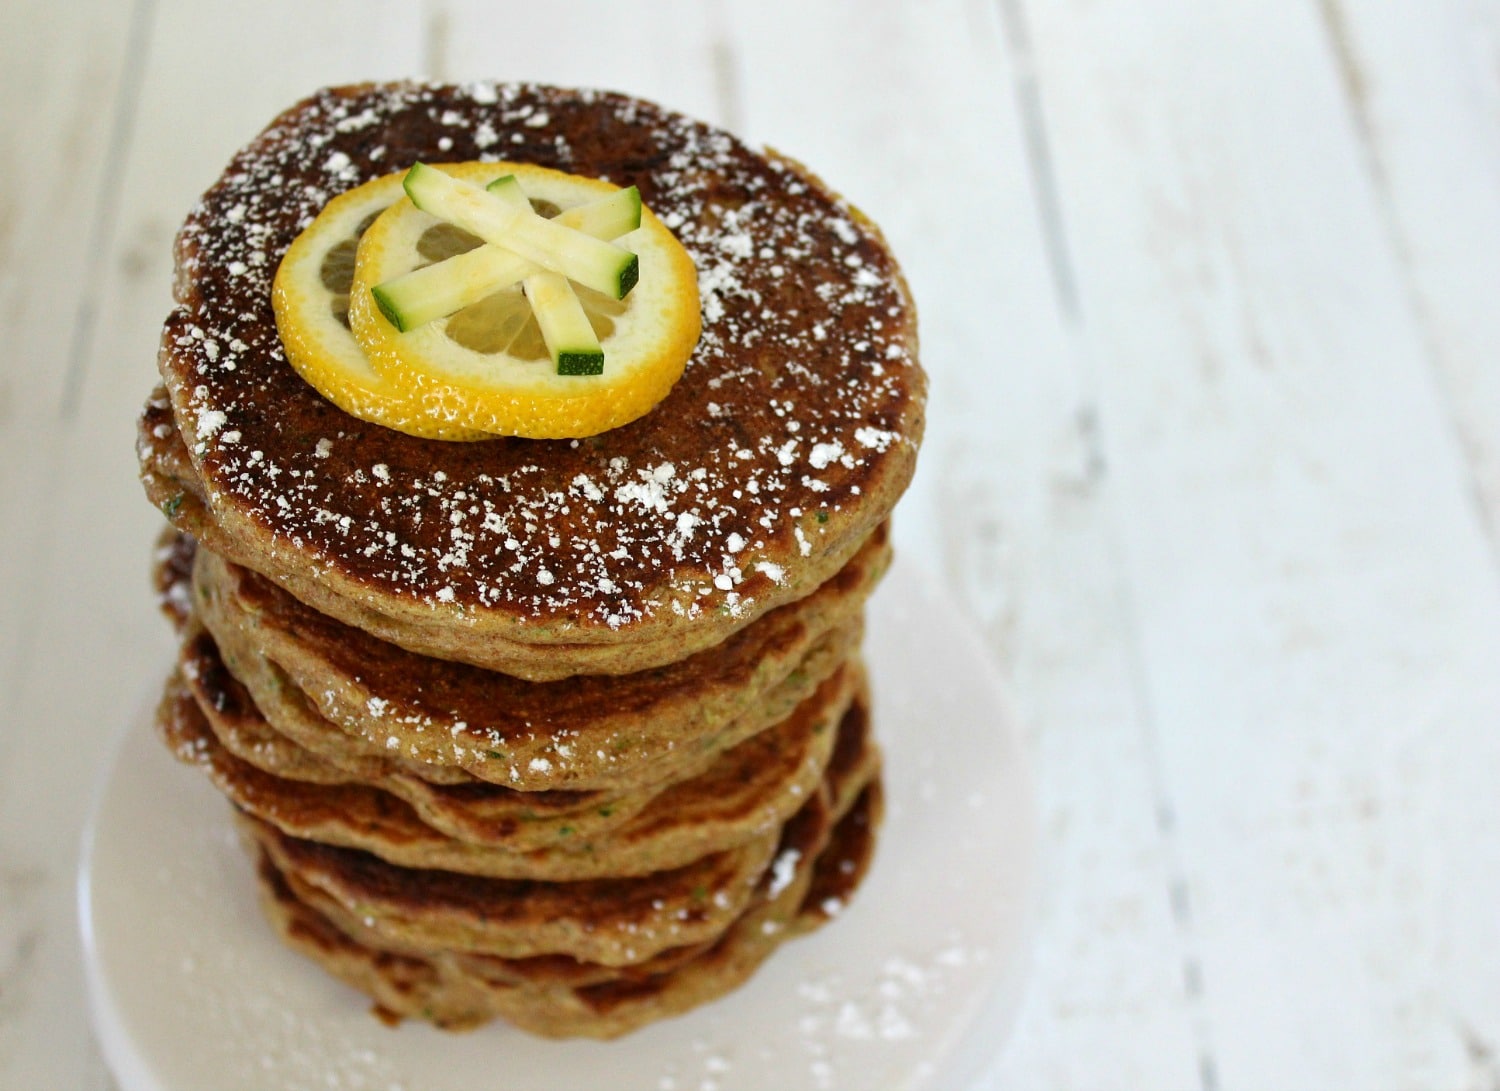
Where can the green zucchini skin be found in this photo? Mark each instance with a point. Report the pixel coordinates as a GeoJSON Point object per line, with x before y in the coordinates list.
{"type": "Point", "coordinates": [592, 262]}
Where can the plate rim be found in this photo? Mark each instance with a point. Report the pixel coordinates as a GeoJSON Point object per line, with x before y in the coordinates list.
{"type": "Point", "coordinates": [974, 1041]}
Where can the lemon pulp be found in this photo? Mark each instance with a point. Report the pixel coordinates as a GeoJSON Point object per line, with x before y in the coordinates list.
{"type": "Point", "coordinates": [310, 297]}
{"type": "Point", "coordinates": [487, 366]}
{"type": "Point", "coordinates": [503, 322]}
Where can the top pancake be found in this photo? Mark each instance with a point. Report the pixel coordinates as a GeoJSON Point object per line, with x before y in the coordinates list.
{"type": "Point", "coordinates": [790, 436]}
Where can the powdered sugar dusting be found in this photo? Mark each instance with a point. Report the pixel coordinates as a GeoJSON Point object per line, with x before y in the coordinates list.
{"type": "Point", "coordinates": [783, 871]}
{"type": "Point", "coordinates": [888, 1021]}
{"type": "Point", "coordinates": [805, 366]}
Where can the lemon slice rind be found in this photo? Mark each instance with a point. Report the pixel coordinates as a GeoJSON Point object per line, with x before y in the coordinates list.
{"type": "Point", "coordinates": [645, 353]}
{"type": "Point", "coordinates": [323, 350]}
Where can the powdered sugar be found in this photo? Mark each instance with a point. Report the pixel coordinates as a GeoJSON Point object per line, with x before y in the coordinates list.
{"type": "Point", "coordinates": [689, 514]}
{"type": "Point", "coordinates": [783, 871]}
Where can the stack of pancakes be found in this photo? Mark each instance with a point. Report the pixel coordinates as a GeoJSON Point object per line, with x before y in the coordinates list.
{"type": "Point", "coordinates": [569, 732]}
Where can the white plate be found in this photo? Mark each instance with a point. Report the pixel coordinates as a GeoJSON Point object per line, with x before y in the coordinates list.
{"type": "Point", "coordinates": [913, 987]}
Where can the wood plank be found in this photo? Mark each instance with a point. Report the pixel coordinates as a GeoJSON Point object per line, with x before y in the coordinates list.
{"type": "Point", "coordinates": [1010, 501]}
{"type": "Point", "coordinates": [671, 53]}
{"type": "Point", "coordinates": [1189, 464]}
{"type": "Point", "coordinates": [60, 72]}
{"type": "Point", "coordinates": [1317, 610]}
{"type": "Point", "coordinates": [1424, 94]}
{"type": "Point", "coordinates": [94, 646]}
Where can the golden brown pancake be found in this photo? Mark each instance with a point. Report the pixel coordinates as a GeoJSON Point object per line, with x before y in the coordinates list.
{"type": "Point", "coordinates": [306, 746]}
{"type": "Point", "coordinates": [850, 847]}
{"type": "Point", "coordinates": [584, 732]}
{"type": "Point", "coordinates": [635, 759]}
{"type": "Point", "coordinates": [240, 728]}
{"type": "Point", "coordinates": [568, 732]}
{"type": "Point", "coordinates": [749, 790]}
{"type": "Point", "coordinates": [614, 921]}
{"type": "Point", "coordinates": [453, 991]}
{"type": "Point", "coordinates": [787, 441]}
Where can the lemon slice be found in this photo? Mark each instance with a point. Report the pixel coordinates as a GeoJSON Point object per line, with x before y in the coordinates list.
{"type": "Point", "coordinates": [311, 299]}
{"type": "Point", "coordinates": [445, 287]}
{"type": "Point", "coordinates": [545, 242]}
{"type": "Point", "coordinates": [488, 365]}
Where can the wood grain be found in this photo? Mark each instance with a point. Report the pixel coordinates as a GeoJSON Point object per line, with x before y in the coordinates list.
{"type": "Point", "coordinates": [1207, 298]}
{"type": "Point", "coordinates": [84, 645]}
{"type": "Point", "coordinates": [1314, 600]}
{"type": "Point", "coordinates": [1423, 97]}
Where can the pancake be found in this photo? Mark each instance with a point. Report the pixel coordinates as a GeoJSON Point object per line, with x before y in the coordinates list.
{"type": "Point", "coordinates": [466, 809]}
{"type": "Point", "coordinates": [639, 760]}
{"type": "Point", "coordinates": [172, 575]}
{"type": "Point", "coordinates": [787, 441]}
{"type": "Point", "coordinates": [455, 992]}
{"type": "Point", "coordinates": [614, 921]}
{"type": "Point", "coordinates": [859, 764]}
{"type": "Point", "coordinates": [582, 732]}
{"type": "Point", "coordinates": [750, 790]}
{"type": "Point", "coordinates": [472, 811]}
{"type": "Point", "coordinates": [237, 723]}
{"type": "Point", "coordinates": [608, 922]}
{"type": "Point", "coordinates": [572, 733]}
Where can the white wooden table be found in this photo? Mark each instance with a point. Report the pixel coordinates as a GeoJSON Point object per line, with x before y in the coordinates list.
{"type": "Point", "coordinates": [1210, 294]}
